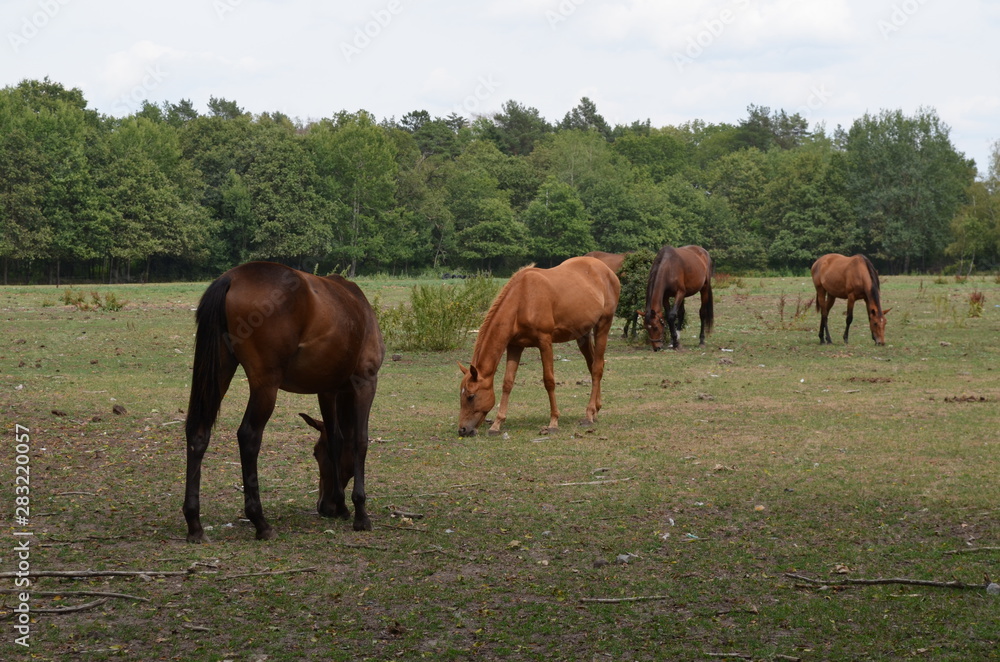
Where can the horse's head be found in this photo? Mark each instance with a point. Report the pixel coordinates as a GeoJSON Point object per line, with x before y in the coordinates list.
{"type": "Point", "coordinates": [476, 399]}
{"type": "Point", "coordinates": [655, 327]}
{"type": "Point", "coordinates": [326, 468]}
{"type": "Point", "coordinates": [876, 321]}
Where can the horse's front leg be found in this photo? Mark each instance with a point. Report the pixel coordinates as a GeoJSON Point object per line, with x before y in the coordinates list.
{"type": "Point", "coordinates": [673, 321]}
{"type": "Point", "coordinates": [364, 395]}
{"type": "Point", "coordinates": [513, 360]}
{"type": "Point", "coordinates": [549, 379]}
{"type": "Point", "coordinates": [850, 316]}
{"type": "Point", "coordinates": [331, 501]}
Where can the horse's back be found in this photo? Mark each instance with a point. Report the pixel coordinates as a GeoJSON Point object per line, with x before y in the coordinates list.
{"type": "Point", "coordinates": [687, 269]}
{"type": "Point", "coordinates": [840, 275]}
{"type": "Point", "coordinates": [308, 328]}
{"type": "Point", "coordinates": [613, 260]}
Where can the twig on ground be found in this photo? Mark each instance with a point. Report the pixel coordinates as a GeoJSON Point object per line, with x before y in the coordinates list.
{"type": "Point", "coordinates": [67, 610]}
{"type": "Point", "coordinates": [739, 656]}
{"type": "Point", "coordinates": [104, 594]}
{"type": "Point", "coordinates": [596, 482]}
{"type": "Point", "coordinates": [636, 598]}
{"type": "Point", "coordinates": [95, 573]}
{"type": "Point", "coordinates": [971, 550]}
{"type": "Point", "coordinates": [393, 512]}
{"type": "Point", "coordinates": [381, 548]}
{"type": "Point", "coordinates": [268, 573]}
{"type": "Point", "coordinates": [847, 581]}
{"type": "Point", "coordinates": [76, 494]}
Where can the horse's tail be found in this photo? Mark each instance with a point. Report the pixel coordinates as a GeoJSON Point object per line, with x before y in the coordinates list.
{"type": "Point", "coordinates": [206, 391]}
{"type": "Point", "coordinates": [875, 292]}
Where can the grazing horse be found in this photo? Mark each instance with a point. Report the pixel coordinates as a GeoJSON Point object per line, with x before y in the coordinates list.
{"type": "Point", "coordinates": [840, 277]}
{"type": "Point", "coordinates": [575, 300]}
{"type": "Point", "coordinates": [677, 273]}
{"type": "Point", "coordinates": [291, 331]}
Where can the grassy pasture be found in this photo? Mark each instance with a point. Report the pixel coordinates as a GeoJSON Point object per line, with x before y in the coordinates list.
{"type": "Point", "coordinates": [714, 471]}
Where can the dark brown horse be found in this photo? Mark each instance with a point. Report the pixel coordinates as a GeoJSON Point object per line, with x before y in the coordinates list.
{"type": "Point", "coordinates": [575, 300]}
{"type": "Point", "coordinates": [677, 273]}
{"type": "Point", "coordinates": [291, 331]}
{"type": "Point", "coordinates": [840, 277]}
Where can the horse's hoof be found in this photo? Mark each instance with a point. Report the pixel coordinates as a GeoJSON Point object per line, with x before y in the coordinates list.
{"type": "Point", "coordinates": [197, 538]}
{"type": "Point", "coordinates": [585, 423]}
{"type": "Point", "coordinates": [266, 534]}
{"type": "Point", "coordinates": [363, 525]}
{"type": "Point", "coordinates": [493, 432]}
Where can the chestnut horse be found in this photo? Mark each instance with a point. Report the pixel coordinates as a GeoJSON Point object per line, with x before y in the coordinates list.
{"type": "Point", "coordinates": [677, 273]}
{"type": "Point", "coordinates": [615, 261]}
{"type": "Point", "coordinates": [840, 277]}
{"type": "Point", "coordinates": [575, 300]}
{"type": "Point", "coordinates": [291, 331]}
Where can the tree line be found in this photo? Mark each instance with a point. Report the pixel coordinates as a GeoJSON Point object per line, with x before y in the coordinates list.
{"type": "Point", "coordinates": [171, 193]}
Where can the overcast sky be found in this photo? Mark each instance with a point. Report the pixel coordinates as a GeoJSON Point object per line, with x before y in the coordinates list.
{"type": "Point", "coordinates": [665, 60]}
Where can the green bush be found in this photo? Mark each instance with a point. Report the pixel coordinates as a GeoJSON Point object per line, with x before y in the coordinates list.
{"type": "Point", "coordinates": [437, 317]}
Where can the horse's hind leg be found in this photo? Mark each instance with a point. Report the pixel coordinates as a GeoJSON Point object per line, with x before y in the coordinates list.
{"type": "Point", "coordinates": [198, 435]}
{"type": "Point", "coordinates": [249, 435]}
{"type": "Point", "coordinates": [331, 499]}
{"type": "Point", "coordinates": [824, 323]}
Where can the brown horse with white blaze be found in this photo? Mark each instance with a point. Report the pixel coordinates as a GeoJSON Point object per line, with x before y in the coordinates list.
{"type": "Point", "coordinates": [677, 273]}
{"type": "Point", "coordinates": [296, 332]}
{"type": "Point", "coordinates": [840, 277]}
{"type": "Point", "coordinates": [575, 300]}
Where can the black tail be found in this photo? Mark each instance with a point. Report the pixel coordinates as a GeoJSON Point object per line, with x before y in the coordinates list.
{"type": "Point", "coordinates": [206, 392]}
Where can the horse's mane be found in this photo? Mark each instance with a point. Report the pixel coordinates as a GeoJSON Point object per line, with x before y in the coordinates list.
{"type": "Point", "coordinates": [874, 293]}
{"type": "Point", "coordinates": [654, 270]}
{"type": "Point", "coordinates": [501, 297]}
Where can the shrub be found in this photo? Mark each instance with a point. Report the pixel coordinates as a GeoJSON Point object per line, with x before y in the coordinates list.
{"type": "Point", "coordinates": [437, 317]}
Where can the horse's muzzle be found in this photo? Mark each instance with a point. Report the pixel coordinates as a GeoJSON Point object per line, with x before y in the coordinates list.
{"type": "Point", "coordinates": [465, 431]}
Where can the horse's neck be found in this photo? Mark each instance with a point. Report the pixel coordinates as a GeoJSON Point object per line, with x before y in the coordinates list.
{"type": "Point", "coordinates": [654, 294]}
{"type": "Point", "coordinates": [492, 342]}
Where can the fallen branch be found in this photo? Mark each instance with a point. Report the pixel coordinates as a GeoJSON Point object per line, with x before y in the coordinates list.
{"type": "Point", "coordinates": [76, 494]}
{"type": "Point", "coordinates": [95, 573]}
{"type": "Point", "coordinates": [847, 581]}
{"type": "Point", "coordinates": [105, 594]}
{"type": "Point", "coordinates": [637, 598]}
{"type": "Point", "coordinates": [971, 550]}
{"type": "Point", "coordinates": [596, 482]}
{"type": "Point", "coordinates": [404, 513]}
{"type": "Point", "coordinates": [67, 610]}
{"type": "Point", "coordinates": [268, 573]}
{"type": "Point", "coordinates": [381, 548]}
{"type": "Point", "coordinates": [739, 656]}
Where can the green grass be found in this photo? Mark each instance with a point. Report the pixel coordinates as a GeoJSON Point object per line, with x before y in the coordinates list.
{"type": "Point", "coordinates": [732, 468]}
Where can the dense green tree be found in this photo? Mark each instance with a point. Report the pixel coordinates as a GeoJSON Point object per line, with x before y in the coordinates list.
{"type": "Point", "coordinates": [557, 223]}
{"type": "Point", "coordinates": [516, 129]}
{"type": "Point", "coordinates": [585, 117]}
{"type": "Point", "coordinates": [907, 182]}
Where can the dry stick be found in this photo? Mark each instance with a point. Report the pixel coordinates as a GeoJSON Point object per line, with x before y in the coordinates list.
{"type": "Point", "coordinates": [597, 482]}
{"type": "Point", "coordinates": [105, 594]}
{"type": "Point", "coordinates": [741, 656]}
{"type": "Point", "coordinates": [94, 573]}
{"type": "Point", "coordinates": [76, 494]}
{"type": "Point", "coordinates": [637, 598]}
{"type": "Point", "coordinates": [381, 548]}
{"type": "Point", "coordinates": [847, 581]}
{"type": "Point", "coordinates": [66, 610]}
{"type": "Point", "coordinates": [269, 573]}
{"type": "Point", "coordinates": [970, 550]}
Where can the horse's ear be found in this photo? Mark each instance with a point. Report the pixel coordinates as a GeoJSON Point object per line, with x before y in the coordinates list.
{"type": "Point", "coordinates": [886, 312]}
{"type": "Point", "coordinates": [313, 422]}
{"type": "Point", "coordinates": [473, 373]}
{"type": "Point", "coordinates": [465, 370]}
